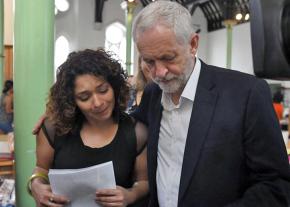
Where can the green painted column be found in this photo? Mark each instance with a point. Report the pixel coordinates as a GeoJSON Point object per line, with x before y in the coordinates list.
{"type": "Point", "coordinates": [229, 26]}
{"type": "Point", "coordinates": [229, 45]}
{"type": "Point", "coordinates": [33, 75]}
{"type": "Point", "coordinates": [130, 6]}
{"type": "Point", "coordinates": [1, 43]}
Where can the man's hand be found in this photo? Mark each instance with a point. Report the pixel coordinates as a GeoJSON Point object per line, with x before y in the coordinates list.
{"type": "Point", "coordinates": [38, 124]}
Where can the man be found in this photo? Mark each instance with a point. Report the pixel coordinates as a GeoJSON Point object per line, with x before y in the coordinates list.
{"type": "Point", "coordinates": [214, 139]}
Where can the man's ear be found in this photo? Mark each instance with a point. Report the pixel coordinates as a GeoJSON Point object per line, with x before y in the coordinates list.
{"type": "Point", "coordinates": [194, 44]}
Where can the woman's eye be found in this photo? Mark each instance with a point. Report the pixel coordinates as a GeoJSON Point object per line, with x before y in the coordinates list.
{"type": "Point", "coordinates": [83, 97]}
{"type": "Point", "coordinates": [103, 90]}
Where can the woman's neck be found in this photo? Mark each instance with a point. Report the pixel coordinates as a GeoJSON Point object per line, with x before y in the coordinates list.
{"type": "Point", "coordinates": [99, 124]}
{"type": "Point", "coordinates": [98, 134]}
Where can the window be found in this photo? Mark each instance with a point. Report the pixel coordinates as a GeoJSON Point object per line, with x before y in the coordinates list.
{"type": "Point", "coordinates": [61, 52]}
{"type": "Point", "coordinates": [116, 41]}
{"type": "Point", "coordinates": [61, 5]}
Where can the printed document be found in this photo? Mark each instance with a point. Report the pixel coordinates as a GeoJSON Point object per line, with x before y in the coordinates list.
{"type": "Point", "coordinates": [80, 185]}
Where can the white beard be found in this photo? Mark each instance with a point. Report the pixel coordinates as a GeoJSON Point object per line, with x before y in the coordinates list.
{"type": "Point", "coordinates": [176, 82]}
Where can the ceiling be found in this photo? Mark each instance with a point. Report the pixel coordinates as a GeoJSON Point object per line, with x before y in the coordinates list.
{"type": "Point", "coordinates": [215, 11]}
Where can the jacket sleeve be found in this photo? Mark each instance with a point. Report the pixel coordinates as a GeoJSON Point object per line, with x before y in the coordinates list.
{"type": "Point", "coordinates": [265, 152]}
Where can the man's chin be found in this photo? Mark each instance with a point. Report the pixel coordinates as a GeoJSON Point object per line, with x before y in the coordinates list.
{"type": "Point", "coordinates": [169, 89]}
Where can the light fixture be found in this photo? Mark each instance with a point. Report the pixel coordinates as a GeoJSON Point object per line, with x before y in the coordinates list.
{"type": "Point", "coordinates": [62, 5]}
{"type": "Point", "coordinates": [247, 16]}
{"type": "Point", "coordinates": [239, 16]}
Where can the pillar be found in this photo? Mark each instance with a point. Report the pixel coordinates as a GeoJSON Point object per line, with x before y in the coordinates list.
{"type": "Point", "coordinates": [129, 6]}
{"type": "Point", "coordinates": [33, 75]}
{"type": "Point", "coordinates": [1, 44]}
{"type": "Point", "coordinates": [229, 26]}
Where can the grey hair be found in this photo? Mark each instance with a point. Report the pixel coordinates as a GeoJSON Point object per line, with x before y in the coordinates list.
{"type": "Point", "coordinates": [166, 13]}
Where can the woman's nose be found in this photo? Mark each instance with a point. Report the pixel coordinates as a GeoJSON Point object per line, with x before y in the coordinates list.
{"type": "Point", "coordinates": [97, 102]}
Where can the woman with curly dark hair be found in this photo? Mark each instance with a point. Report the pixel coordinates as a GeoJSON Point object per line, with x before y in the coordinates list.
{"type": "Point", "coordinates": [86, 125]}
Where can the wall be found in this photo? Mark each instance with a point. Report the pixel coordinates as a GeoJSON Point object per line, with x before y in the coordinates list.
{"type": "Point", "coordinates": [66, 24]}
{"type": "Point", "coordinates": [8, 22]}
{"type": "Point", "coordinates": [241, 48]}
{"type": "Point", "coordinates": [78, 23]}
{"type": "Point", "coordinates": [200, 22]}
{"type": "Point", "coordinates": [90, 37]}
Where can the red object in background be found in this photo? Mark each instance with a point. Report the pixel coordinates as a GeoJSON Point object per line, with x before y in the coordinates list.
{"type": "Point", "coordinates": [279, 110]}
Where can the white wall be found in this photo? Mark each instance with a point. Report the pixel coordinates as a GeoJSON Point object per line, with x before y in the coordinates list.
{"type": "Point", "coordinates": [199, 19]}
{"type": "Point", "coordinates": [241, 48]}
{"type": "Point", "coordinates": [8, 22]}
{"type": "Point", "coordinates": [90, 37]}
{"type": "Point", "coordinates": [78, 23]}
{"type": "Point", "coordinates": [66, 24]}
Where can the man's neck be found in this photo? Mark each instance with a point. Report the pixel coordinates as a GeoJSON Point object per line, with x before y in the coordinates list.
{"type": "Point", "coordinates": [176, 96]}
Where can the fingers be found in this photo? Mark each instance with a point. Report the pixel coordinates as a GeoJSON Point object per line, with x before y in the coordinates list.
{"type": "Point", "coordinates": [110, 197]}
{"type": "Point", "coordinates": [52, 204]}
{"type": "Point", "coordinates": [38, 124]}
{"type": "Point", "coordinates": [58, 199]}
{"type": "Point", "coordinates": [52, 200]}
{"type": "Point", "coordinates": [106, 192]}
{"type": "Point", "coordinates": [111, 204]}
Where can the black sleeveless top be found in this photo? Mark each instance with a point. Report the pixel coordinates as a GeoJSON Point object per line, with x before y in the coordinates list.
{"type": "Point", "coordinates": [71, 153]}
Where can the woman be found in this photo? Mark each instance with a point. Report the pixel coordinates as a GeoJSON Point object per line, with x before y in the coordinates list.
{"type": "Point", "coordinates": [142, 79]}
{"type": "Point", "coordinates": [87, 126]}
{"type": "Point", "coordinates": [6, 108]}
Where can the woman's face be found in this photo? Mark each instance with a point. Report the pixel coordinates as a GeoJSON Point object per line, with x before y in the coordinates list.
{"type": "Point", "coordinates": [94, 97]}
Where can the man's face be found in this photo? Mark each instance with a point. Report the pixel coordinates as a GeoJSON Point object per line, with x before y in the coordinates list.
{"type": "Point", "coordinates": [169, 61]}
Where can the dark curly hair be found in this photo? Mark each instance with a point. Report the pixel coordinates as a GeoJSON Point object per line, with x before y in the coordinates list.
{"type": "Point", "coordinates": [7, 86]}
{"type": "Point", "coordinates": [61, 107]}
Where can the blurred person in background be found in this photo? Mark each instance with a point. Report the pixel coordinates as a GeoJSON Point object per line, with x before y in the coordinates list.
{"type": "Point", "coordinates": [6, 108]}
{"type": "Point", "coordinates": [143, 77]}
{"type": "Point", "coordinates": [278, 105]}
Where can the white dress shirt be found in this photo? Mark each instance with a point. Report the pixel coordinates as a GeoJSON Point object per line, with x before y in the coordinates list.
{"type": "Point", "coordinates": [172, 138]}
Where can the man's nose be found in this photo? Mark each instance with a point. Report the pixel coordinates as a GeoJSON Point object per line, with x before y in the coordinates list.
{"type": "Point", "coordinates": [160, 69]}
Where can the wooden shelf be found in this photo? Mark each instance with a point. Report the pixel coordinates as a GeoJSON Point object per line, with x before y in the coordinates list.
{"type": "Point", "coordinates": [7, 167]}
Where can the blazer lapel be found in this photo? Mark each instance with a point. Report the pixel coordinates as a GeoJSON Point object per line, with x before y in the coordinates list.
{"type": "Point", "coordinates": [201, 116]}
{"type": "Point", "coordinates": [153, 146]}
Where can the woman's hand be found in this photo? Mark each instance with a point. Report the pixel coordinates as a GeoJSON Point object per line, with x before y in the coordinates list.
{"type": "Point", "coordinates": [119, 197]}
{"type": "Point", "coordinates": [44, 197]}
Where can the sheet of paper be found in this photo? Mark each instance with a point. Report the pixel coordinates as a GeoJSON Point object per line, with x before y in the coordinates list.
{"type": "Point", "coordinates": [80, 185]}
{"type": "Point", "coordinates": [5, 150]}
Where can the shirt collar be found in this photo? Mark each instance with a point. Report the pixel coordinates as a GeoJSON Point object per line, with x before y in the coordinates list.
{"type": "Point", "coordinates": [191, 85]}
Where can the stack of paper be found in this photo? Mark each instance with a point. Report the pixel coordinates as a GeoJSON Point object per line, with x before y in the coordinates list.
{"type": "Point", "coordinates": [7, 193]}
{"type": "Point", "coordinates": [5, 151]}
{"type": "Point", "coordinates": [80, 185]}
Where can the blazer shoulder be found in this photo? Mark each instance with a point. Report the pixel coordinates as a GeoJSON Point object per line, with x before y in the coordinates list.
{"type": "Point", "coordinates": [231, 78]}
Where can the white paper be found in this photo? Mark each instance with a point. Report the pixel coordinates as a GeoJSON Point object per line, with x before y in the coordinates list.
{"type": "Point", "coordinates": [5, 151]}
{"type": "Point", "coordinates": [80, 185]}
